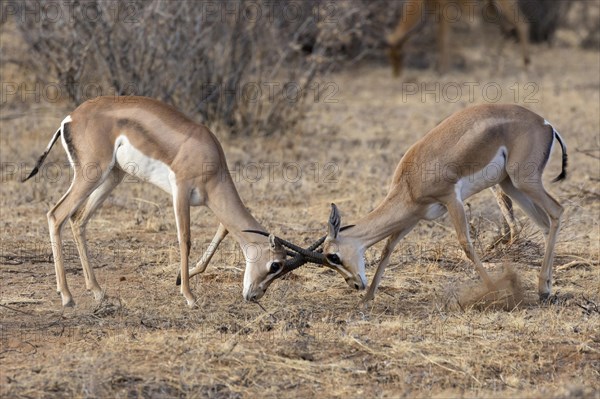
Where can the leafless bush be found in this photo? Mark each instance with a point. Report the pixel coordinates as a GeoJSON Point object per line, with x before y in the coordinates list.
{"type": "Point", "coordinates": [248, 65]}
{"type": "Point", "coordinates": [237, 63]}
{"type": "Point", "coordinates": [359, 30]}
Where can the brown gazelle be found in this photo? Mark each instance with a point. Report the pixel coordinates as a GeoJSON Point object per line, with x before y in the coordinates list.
{"type": "Point", "coordinates": [473, 149]}
{"type": "Point", "coordinates": [444, 12]}
{"type": "Point", "coordinates": [153, 141]}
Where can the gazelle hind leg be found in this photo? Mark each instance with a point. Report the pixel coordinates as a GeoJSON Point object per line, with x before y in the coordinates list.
{"type": "Point", "coordinates": [546, 212]}
{"type": "Point", "coordinates": [535, 213]}
{"type": "Point", "coordinates": [80, 189]}
{"type": "Point", "coordinates": [79, 221]}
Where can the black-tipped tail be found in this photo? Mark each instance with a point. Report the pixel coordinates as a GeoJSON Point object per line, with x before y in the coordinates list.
{"type": "Point", "coordinates": [42, 158]}
{"type": "Point", "coordinates": [563, 173]}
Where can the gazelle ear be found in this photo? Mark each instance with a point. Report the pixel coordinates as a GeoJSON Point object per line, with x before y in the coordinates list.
{"type": "Point", "coordinates": [275, 243]}
{"type": "Point", "coordinates": [335, 222]}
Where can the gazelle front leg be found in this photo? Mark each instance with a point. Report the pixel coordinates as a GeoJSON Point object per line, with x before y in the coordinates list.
{"type": "Point", "coordinates": [511, 12]}
{"type": "Point", "coordinates": [506, 207]}
{"type": "Point", "coordinates": [546, 204]}
{"type": "Point", "coordinates": [443, 43]}
{"type": "Point", "coordinates": [408, 24]}
{"type": "Point", "coordinates": [383, 262]}
{"type": "Point", "coordinates": [210, 251]}
{"type": "Point", "coordinates": [80, 189]}
{"type": "Point", "coordinates": [456, 212]}
{"type": "Point", "coordinates": [207, 256]}
{"type": "Point", "coordinates": [181, 205]}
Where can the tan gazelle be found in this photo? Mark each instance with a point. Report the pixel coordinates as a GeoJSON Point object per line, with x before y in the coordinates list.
{"type": "Point", "coordinates": [473, 149]}
{"type": "Point", "coordinates": [415, 13]}
{"type": "Point", "coordinates": [109, 137]}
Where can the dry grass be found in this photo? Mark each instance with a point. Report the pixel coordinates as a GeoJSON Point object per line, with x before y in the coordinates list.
{"type": "Point", "coordinates": [313, 338]}
{"type": "Point", "coordinates": [508, 293]}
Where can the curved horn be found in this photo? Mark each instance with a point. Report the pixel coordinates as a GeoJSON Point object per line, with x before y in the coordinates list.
{"type": "Point", "coordinates": [307, 253]}
{"type": "Point", "coordinates": [347, 227]}
{"type": "Point", "coordinates": [316, 257]}
{"type": "Point", "coordinates": [322, 239]}
{"type": "Point", "coordinates": [317, 244]}
{"type": "Point", "coordinates": [301, 255]}
{"type": "Point", "coordinates": [294, 263]}
{"type": "Point", "coordinates": [298, 259]}
{"type": "Point", "coordinates": [314, 246]}
{"type": "Point", "coordinates": [262, 233]}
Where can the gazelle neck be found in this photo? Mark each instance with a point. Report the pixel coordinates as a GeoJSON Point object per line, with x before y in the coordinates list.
{"type": "Point", "coordinates": [390, 216]}
{"type": "Point", "coordinates": [227, 205]}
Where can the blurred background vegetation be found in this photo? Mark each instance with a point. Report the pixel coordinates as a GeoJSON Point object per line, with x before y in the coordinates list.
{"type": "Point", "coordinates": [213, 60]}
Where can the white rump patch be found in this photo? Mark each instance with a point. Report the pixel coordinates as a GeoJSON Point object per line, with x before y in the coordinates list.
{"type": "Point", "coordinates": [68, 119]}
{"type": "Point", "coordinates": [554, 132]}
{"type": "Point", "coordinates": [64, 144]}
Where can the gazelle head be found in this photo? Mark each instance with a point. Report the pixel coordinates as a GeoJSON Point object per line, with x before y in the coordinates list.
{"type": "Point", "coordinates": [263, 263]}
{"type": "Point", "coordinates": [266, 263]}
{"type": "Point", "coordinates": [344, 254]}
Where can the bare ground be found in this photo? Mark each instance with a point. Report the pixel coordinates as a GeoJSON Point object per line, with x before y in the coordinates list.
{"type": "Point", "coordinates": [312, 337]}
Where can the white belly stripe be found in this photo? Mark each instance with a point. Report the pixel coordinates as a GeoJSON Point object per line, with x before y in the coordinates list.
{"type": "Point", "coordinates": [492, 174]}
{"type": "Point", "coordinates": [139, 165]}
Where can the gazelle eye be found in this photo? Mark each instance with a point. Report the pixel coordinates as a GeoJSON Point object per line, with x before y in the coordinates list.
{"type": "Point", "coordinates": [275, 267]}
{"type": "Point", "coordinates": [333, 258]}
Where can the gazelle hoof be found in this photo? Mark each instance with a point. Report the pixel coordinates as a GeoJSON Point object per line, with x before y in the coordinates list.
{"type": "Point", "coordinates": [99, 295]}
{"type": "Point", "coordinates": [367, 298]}
{"type": "Point", "coordinates": [544, 297]}
{"type": "Point", "coordinates": [68, 302]}
{"type": "Point", "coordinates": [191, 302]}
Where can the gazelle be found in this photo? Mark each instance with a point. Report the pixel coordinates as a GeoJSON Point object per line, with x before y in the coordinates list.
{"type": "Point", "coordinates": [414, 16]}
{"type": "Point", "coordinates": [156, 143]}
{"type": "Point", "coordinates": [473, 149]}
